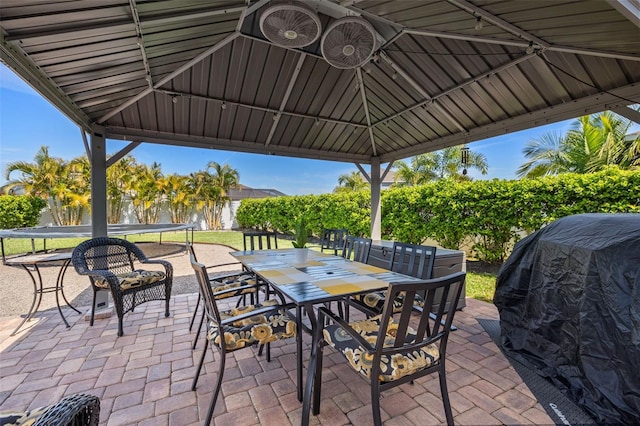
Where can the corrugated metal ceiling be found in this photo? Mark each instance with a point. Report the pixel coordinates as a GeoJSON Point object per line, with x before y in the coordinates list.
{"type": "Point", "coordinates": [200, 73]}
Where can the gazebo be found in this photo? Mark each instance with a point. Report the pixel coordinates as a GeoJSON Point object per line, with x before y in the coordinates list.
{"type": "Point", "coordinates": [368, 82]}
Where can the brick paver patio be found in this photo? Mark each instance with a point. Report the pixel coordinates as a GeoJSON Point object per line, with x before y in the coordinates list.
{"type": "Point", "coordinates": [144, 377]}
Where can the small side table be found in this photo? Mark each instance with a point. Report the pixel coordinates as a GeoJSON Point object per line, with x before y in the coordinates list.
{"type": "Point", "coordinates": [30, 264]}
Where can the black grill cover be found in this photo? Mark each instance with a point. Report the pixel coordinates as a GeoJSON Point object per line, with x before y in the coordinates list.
{"type": "Point", "coordinates": [569, 302]}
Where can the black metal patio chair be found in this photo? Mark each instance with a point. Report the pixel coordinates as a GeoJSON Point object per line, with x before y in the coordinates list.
{"type": "Point", "coordinates": [389, 350]}
{"type": "Point", "coordinates": [333, 240]}
{"type": "Point", "coordinates": [220, 283]}
{"type": "Point", "coordinates": [408, 259]}
{"type": "Point", "coordinates": [239, 328]}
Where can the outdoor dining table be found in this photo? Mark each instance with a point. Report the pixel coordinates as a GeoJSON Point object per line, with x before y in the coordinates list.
{"type": "Point", "coordinates": [321, 279]}
{"type": "Point", "coordinates": [31, 263]}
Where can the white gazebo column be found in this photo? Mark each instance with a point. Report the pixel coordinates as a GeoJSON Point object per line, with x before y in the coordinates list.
{"type": "Point", "coordinates": [98, 183]}
{"type": "Point", "coordinates": [376, 211]}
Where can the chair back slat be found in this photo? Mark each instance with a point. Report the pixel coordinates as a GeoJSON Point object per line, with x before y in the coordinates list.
{"type": "Point", "coordinates": [333, 239]}
{"type": "Point", "coordinates": [259, 240]}
{"type": "Point", "coordinates": [413, 259]}
{"type": "Point", "coordinates": [429, 328]}
{"type": "Point", "coordinates": [210, 305]}
{"type": "Point", "coordinates": [357, 248]}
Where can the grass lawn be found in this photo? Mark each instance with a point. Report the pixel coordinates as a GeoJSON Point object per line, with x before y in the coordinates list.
{"type": "Point", "coordinates": [478, 286]}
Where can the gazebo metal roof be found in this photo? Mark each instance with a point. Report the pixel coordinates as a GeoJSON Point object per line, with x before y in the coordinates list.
{"type": "Point", "coordinates": [200, 73]}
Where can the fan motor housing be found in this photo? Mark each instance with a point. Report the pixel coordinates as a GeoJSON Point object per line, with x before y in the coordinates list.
{"type": "Point", "coordinates": [290, 24]}
{"type": "Point", "coordinates": [348, 42]}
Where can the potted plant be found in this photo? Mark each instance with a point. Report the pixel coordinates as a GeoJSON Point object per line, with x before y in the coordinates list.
{"type": "Point", "coordinates": [301, 237]}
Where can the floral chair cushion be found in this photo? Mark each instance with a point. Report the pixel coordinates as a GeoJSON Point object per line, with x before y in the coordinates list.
{"type": "Point", "coordinates": [391, 367]}
{"type": "Point", "coordinates": [229, 283]}
{"type": "Point", "coordinates": [129, 280]}
{"type": "Point", "coordinates": [375, 301]}
{"type": "Point", "coordinates": [259, 329]}
{"type": "Point", "coordinates": [22, 418]}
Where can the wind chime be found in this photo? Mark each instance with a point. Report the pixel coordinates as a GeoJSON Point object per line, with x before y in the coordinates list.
{"type": "Point", "coordinates": [465, 159]}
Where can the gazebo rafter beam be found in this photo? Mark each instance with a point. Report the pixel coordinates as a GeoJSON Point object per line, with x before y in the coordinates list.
{"type": "Point", "coordinates": [285, 98]}
{"type": "Point", "coordinates": [140, 42]}
{"type": "Point", "coordinates": [258, 108]}
{"type": "Point", "coordinates": [430, 99]}
{"type": "Point", "coordinates": [418, 88]}
{"type": "Point", "coordinates": [365, 104]}
{"type": "Point", "coordinates": [229, 39]}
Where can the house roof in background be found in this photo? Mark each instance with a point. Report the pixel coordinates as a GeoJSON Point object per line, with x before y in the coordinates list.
{"type": "Point", "coordinates": [242, 192]}
{"type": "Point", "coordinates": [444, 72]}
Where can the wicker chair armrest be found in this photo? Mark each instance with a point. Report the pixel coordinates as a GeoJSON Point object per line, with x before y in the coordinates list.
{"type": "Point", "coordinates": [102, 273]}
{"type": "Point", "coordinates": [79, 409]}
{"type": "Point", "coordinates": [167, 265]}
{"type": "Point", "coordinates": [324, 312]}
{"type": "Point", "coordinates": [250, 314]}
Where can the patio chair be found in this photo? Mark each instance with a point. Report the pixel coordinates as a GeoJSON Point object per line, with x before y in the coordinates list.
{"type": "Point", "coordinates": [259, 240]}
{"type": "Point", "coordinates": [112, 264]}
{"type": "Point", "coordinates": [239, 328]}
{"type": "Point", "coordinates": [73, 410]}
{"type": "Point", "coordinates": [408, 259]}
{"type": "Point", "coordinates": [357, 248]}
{"type": "Point", "coordinates": [333, 239]}
{"type": "Point", "coordinates": [223, 282]}
{"type": "Point", "coordinates": [391, 350]}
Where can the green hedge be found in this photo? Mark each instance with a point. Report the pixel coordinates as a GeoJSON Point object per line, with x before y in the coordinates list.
{"type": "Point", "coordinates": [345, 210]}
{"type": "Point", "coordinates": [489, 215]}
{"type": "Point", "coordinates": [20, 211]}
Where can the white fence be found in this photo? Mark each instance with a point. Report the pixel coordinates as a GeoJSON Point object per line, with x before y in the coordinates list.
{"type": "Point", "coordinates": [129, 217]}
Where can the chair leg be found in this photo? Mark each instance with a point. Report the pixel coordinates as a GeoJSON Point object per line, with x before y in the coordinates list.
{"type": "Point", "coordinates": [120, 327]}
{"type": "Point", "coordinates": [445, 395]}
{"type": "Point", "coordinates": [93, 307]}
{"type": "Point", "coordinates": [195, 312]}
{"type": "Point", "coordinates": [216, 393]}
{"type": "Point", "coordinates": [195, 378]}
{"type": "Point", "coordinates": [375, 402]}
{"type": "Point", "coordinates": [195, 339]}
{"type": "Point", "coordinates": [317, 381]}
{"type": "Point", "coordinates": [167, 299]}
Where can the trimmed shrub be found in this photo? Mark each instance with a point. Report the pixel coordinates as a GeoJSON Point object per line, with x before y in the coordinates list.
{"type": "Point", "coordinates": [492, 214]}
{"type": "Point", "coordinates": [20, 211]}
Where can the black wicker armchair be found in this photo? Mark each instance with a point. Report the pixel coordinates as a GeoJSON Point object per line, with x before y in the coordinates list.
{"type": "Point", "coordinates": [73, 410]}
{"type": "Point", "coordinates": [112, 263]}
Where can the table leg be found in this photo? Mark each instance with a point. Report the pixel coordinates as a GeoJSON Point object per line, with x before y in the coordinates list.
{"type": "Point", "coordinates": [59, 285]}
{"type": "Point", "coordinates": [311, 370]}
{"type": "Point", "coordinates": [299, 351]}
{"type": "Point", "coordinates": [36, 293]}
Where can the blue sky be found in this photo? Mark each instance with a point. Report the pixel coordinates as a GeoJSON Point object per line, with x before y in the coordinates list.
{"type": "Point", "coordinates": [28, 121]}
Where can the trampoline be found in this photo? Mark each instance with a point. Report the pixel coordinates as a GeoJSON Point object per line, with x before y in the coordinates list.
{"type": "Point", "coordinates": [79, 231]}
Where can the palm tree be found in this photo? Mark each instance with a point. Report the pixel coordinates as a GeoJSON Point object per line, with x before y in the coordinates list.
{"type": "Point", "coordinates": [179, 194]}
{"type": "Point", "coordinates": [351, 182]}
{"type": "Point", "coordinates": [146, 192]}
{"type": "Point", "coordinates": [119, 177]}
{"type": "Point", "coordinates": [212, 191]}
{"type": "Point", "coordinates": [443, 164]}
{"type": "Point", "coordinates": [64, 185]}
{"type": "Point", "coordinates": [593, 143]}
